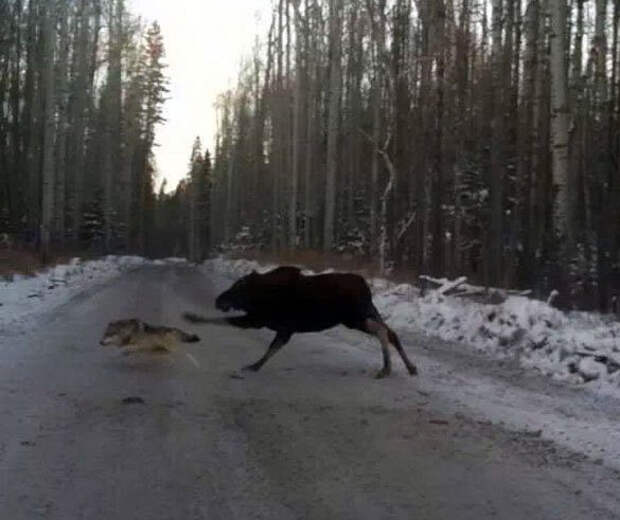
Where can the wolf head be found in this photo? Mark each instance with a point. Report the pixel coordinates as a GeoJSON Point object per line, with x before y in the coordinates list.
{"type": "Point", "coordinates": [239, 295]}
{"type": "Point", "coordinates": [119, 333]}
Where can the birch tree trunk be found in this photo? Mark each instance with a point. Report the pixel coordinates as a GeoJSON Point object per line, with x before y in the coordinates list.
{"type": "Point", "coordinates": [526, 142]}
{"type": "Point", "coordinates": [599, 45]}
{"type": "Point", "coordinates": [335, 7]}
{"type": "Point", "coordinates": [297, 102]}
{"type": "Point", "coordinates": [112, 116]}
{"type": "Point", "coordinates": [496, 173]}
{"type": "Point", "coordinates": [33, 114]}
{"type": "Point", "coordinates": [47, 167]}
{"type": "Point", "coordinates": [439, 45]}
{"type": "Point", "coordinates": [312, 86]}
{"type": "Point", "coordinates": [193, 228]}
{"type": "Point", "coordinates": [63, 127]}
{"type": "Point", "coordinates": [377, 21]}
{"type": "Point", "coordinates": [538, 147]}
{"type": "Point", "coordinates": [279, 152]}
{"type": "Point", "coordinates": [559, 125]}
{"type": "Point", "coordinates": [577, 123]}
{"type": "Point", "coordinates": [17, 156]}
{"type": "Point", "coordinates": [79, 116]}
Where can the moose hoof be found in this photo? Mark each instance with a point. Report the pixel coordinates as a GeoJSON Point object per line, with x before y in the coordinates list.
{"type": "Point", "coordinates": [413, 371]}
{"type": "Point", "coordinates": [382, 373]}
{"type": "Point", "coordinates": [251, 368]}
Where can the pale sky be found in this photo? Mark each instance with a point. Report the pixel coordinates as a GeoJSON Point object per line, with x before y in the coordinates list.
{"type": "Point", "coordinates": [205, 41]}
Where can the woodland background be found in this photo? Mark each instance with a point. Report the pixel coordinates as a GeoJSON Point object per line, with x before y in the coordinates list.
{"type": "Point", "coordinates": [445, 137]}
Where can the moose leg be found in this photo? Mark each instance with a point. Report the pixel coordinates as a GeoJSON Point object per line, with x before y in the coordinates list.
{"type": "Point", "coordinates": [244, 322]}
{"type": "Point", "coordinates": [378, 329]}
{"type": "Point", "coordinates": [278, 342]}
{"type": "Point", "coordinates": [411, 368]}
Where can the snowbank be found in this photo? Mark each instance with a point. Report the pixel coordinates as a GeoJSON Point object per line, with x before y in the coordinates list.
{"type": "Point", "coordinates": [578, 347]}
{"type": "Point", "coordinates": [234, 268]}
{"type": "Point", "coordinates": [25, 296]}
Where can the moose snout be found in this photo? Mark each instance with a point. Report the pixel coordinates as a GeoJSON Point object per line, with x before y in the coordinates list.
{"type": "Point", "coordinates": [222, 305]}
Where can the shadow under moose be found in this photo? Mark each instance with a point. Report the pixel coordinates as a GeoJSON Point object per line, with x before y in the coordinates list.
{"type": "Point", "coordinates": [287, 301]}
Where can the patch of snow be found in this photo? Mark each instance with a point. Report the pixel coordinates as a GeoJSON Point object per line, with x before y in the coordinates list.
{"type": "Point", "coordinates": [174, 260]}
{"type": "Point", "coordinates": [234, 268]}
{"type": "Point", "coordinates": [22, 297]}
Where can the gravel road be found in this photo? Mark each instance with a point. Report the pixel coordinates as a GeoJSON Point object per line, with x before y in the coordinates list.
{"type": "Point", "coordinates": [311, 436]}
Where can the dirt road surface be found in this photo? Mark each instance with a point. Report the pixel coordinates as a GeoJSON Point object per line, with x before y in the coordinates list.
{"type": "Point", "coordinates": [311, 436]}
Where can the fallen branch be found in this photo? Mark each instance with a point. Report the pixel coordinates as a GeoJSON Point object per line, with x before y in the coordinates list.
{"type": "Point", "coordinates": [444, 289]}
{"type": "Point", "coordinates": [433, 281]}
{"type": "Point", "coordinates": [405, 226]}
{"type": "Point", "coordinates": [386, 193]}
{"type": "Point", "coordinates": [527, 292]}
{"type": "Point", "coordinates": [444, 286]}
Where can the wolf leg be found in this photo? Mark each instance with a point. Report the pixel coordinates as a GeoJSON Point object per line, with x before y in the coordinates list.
{"type": "Point", "coordinates": [278, 342]}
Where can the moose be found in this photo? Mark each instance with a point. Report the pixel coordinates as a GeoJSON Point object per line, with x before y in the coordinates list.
{"type": "Point", "coordinates": [287, 301]}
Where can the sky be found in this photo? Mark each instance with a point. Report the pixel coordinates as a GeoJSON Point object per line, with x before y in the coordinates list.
{"type": "Point", "coordinates": [205, 41]}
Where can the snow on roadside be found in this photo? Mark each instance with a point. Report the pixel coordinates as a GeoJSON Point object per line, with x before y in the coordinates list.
{"type": "Point", "coordinates": [577, 347]}
{"type": "Point", "coordinates": [26, 296]}
{"type": "Point", "coordinates": [234, 268]}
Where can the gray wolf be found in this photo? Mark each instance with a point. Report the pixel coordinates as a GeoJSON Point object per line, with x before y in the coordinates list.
{"type": "Point", "coordinates": [134, 335]}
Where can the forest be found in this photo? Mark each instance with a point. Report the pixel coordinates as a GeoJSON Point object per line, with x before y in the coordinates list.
{"type": "Point", "coordinates": [442, 137]}
{"type": "Point", "coordinates": [82, 86]}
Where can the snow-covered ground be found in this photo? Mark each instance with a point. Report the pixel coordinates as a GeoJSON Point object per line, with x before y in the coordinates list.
{"type": "Point", "coordinates": [22, 297]}
{"type": "Point", "coordinates": [578, 347]}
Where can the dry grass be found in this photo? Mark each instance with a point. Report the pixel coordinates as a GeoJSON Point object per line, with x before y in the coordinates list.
{"type": "Point", "coordinates": [16, 261]}
{"type": "Point", "coordinates": [27, 261]}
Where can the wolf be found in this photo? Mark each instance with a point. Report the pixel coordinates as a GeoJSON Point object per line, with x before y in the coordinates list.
{"type": "Point", "coordinates": [287, 301]}
{"type": "Point", "coordinates": [134, 335]}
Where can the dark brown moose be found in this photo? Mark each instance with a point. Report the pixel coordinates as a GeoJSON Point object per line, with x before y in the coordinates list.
{"type": "Point", "coordinates": [286, 301]}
